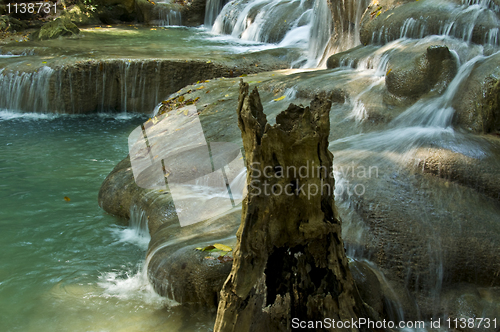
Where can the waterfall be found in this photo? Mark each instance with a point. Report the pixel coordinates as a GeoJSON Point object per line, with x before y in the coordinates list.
{"type": "Point", "coordinates": [212, 10]}
{"type": "Point", "coordinates": [167, 16]}
{"type": "Point", "coordinates": [297, 23]}
{"type": "Point", "coordinates": [118, 85]}
{"type": "Point", "coordinates": [139, 222]}
{"type": "Point", "coordinates": [473, 21]}
{"type": "Point", "coordinates": [20, 89]}
{"type": "Point", "coordinates": [320, 32]}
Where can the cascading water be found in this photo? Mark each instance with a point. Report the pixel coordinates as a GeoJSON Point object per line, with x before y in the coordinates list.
{"type": "Point", "coordinates": [298, 23]}
{"type": "Point", "coordinates": [100, 86]}
{"type": "Point", "coordinates": [472, 21]}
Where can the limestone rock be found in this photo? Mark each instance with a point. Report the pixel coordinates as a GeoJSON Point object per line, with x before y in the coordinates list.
{"type": "Point", "coordinates": [289, 260]}
{"type": "Point", "coordinates": [477, 102]}
{"type": "Point", "coordinates": [412, 75]}
{"type": "Point", "coordinates": [350, 57]}
{"type": "Point", "coordinates": [57, 28]}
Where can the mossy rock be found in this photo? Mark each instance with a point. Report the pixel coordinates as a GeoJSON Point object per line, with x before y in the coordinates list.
{"type": "Point", "coordinates": [57, 28]}
{"type": "Point", "coordinates": [412, 75]}
{"type": "Point", "coordinates": [477, 102]}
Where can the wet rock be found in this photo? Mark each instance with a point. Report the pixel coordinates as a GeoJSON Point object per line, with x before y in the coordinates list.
{"type": "Point", "coordinates": [190, 276]}
{"type": "Point", "coordinates": [350, 57]}
{"type": "Point", "coordinates": [179, 271]}
{"type": "Point", "coordinates": [481, 174]}
{"type": "Point", "coordinates": [412, 75]}
{"type": "Point", "coordinates": [464, 301]}
{"type": "Point", "coordinates": [368, 285]}
{"type": "Point", "coordinates": [11, 24]}
{"type": "Point", "coordinates": [450, 244]}
{"type": "Point", "coordinates": [60, 27]}
{"type": "Point", "coordinates": [477, 102]}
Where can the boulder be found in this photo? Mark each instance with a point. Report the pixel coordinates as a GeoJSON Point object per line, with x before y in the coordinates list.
{"type": "Point", "coordinates": [477, 102]}
{"type": "Point", "coordinates": [413, 74]}
{"type": "Point", "coordinates": [60, 27]}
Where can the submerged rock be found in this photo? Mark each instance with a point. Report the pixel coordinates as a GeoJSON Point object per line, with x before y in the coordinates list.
{"type": "Point", "coordinates": [477, 101]}
{"type": "Point", "coordinates": [60, 27]}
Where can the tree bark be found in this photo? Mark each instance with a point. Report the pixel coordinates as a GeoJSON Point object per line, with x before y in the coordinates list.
{"type": "Point", "coordinates": [290, 260]}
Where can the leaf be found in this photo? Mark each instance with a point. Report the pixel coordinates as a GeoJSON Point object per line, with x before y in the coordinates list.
{"type": "Point", "coordinates": [67, 199]}
{"type": "Point", "coordinates": [280, 98]}
{"type": "Point", "coordinates": [226, 96]}
{"type": "Point", "coordinates": [380, 12]}
{"type": "Point", "coordinates": [223, 247]}
{"type": "Point", "coordinates": [207, 248]}
{"type": "Point", "coordinates": [201, 87]}
{"type": "Point", "coordinates": [209, 61]}
{"type": "Point", "coordinates": [186, 112]}
{"type": "Point", "coordinates": [181, 99]}
{"type": "Point", "coordinates": [388, 71]}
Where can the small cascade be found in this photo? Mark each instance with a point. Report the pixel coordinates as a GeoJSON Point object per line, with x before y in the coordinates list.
{"type": "Point", "coordinates": [319, 36]}
{"type": "Point", "coordinates": [212, 10]}
{"type": "Point", "coordinates": [473, 21]}
{"type": "Point", "coordinates": [347, 21]}
{"type": "Point", "coordinates": [26, 88]}
{"type": "Point", "coordinates": [167, 16]}
{"type": "Point", "coordinates": [119, 85]}
{"type": "Point", "coordinates": [265, 21]}
{"type": "Point", "coordinates": [139, 222]}
{"type": "Point", "coordinates": [297, 23]}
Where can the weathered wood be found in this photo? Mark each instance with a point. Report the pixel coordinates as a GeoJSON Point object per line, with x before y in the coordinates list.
{"type": "Point", "coordinates": [289, 261]}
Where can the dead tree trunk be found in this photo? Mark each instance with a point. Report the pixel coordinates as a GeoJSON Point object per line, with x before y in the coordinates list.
{"type": "Point", "coordinates": [289, 261]}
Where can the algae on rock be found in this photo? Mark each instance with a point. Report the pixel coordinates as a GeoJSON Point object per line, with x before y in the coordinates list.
{"type": "Point", "coordinates": [290, 259]}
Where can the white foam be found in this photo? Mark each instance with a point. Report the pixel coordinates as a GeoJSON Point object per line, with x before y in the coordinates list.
{"type": "Point", "coordinates": [11, 115]}
{"type": "Point", "coordinates": [127, 285]}
{"type": "Point", "coordinates": [130, 235]}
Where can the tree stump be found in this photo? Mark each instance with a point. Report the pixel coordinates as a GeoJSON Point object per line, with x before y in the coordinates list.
{"type": "Point", "coordinates": [289, 262]}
